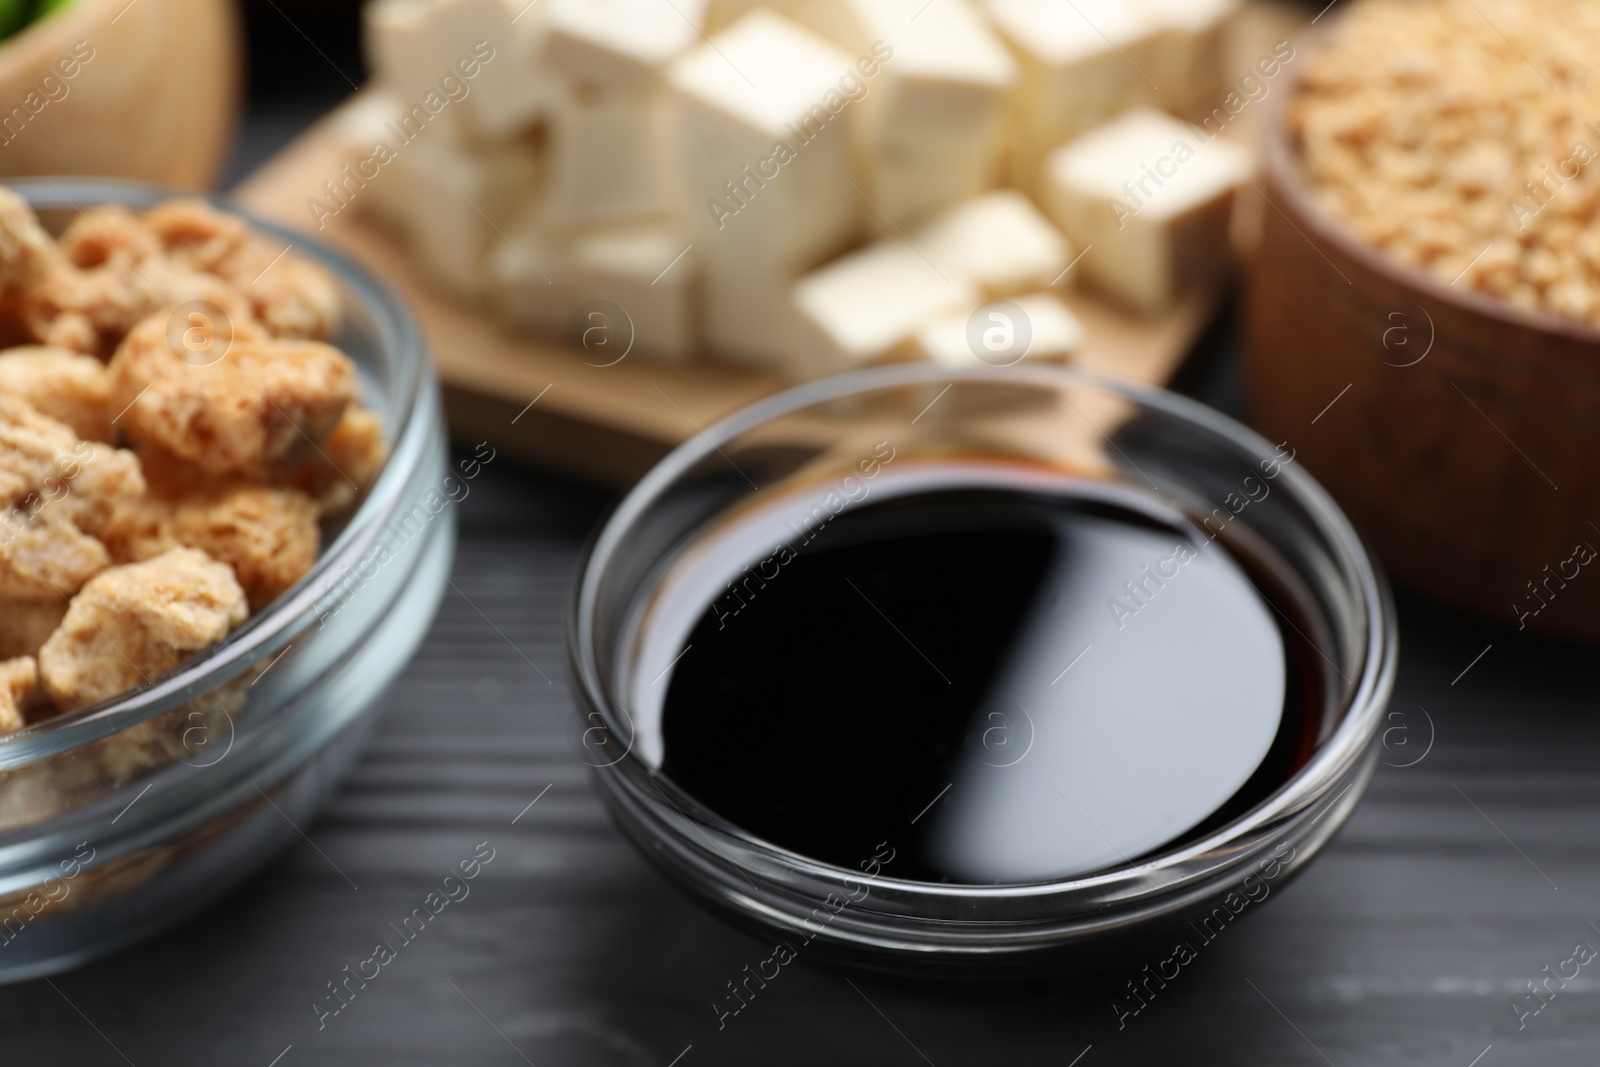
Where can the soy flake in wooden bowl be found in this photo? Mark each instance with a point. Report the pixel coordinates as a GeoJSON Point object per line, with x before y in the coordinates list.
{"type": "Point", "coordinates": [1462, 433]}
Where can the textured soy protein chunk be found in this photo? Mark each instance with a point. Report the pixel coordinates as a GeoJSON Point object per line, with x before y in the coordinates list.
{"type": "Point", "coordinates": [19, 683]}
{"type": "Point", "coordinates": [268, 536]}
{"type": "Point", "coordinates": [85, 295]}
{"type": "Point", "coordinates": [290, 296]}
{"type": "Point", "coordinates": [106, 481]}
{"type": "Point", "coordinates": [113, 268]}
{"type": "Point", "coordinates": [108, 235]}
{"type": "Point", "coordinates": [65, 385]}
{"type": "Point", "coordinates": [346, 464]}
{"type": "Point", "coordinates": [44, 467]}
{"type": "Point", "coordinates": [37, 453]}
{"type": "Point", "coordinates": [250, 432]}
{"type": "Point", "coordinates": [131, 623]}
{"type": "Point", "coordinates": [89, 311]}
{"type": "Point", "coordinates": [25, 625]}
{"type": "Point", "coordinates": [26, 250]}
{"type": "Point", "coordinates": [45, 557]}
{"type": "Point", "coordinates": [262, 407]}
{"type": "Point", "coordinates": [55, 493]}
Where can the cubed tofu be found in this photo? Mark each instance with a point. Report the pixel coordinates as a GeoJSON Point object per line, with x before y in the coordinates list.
{"type": "Point", "coordinates": [1191, 53]}
{"type": "Point", "coordinates": [394, 41]}
{"type": "Point", "coordinates": [1082, 62]}
{"type": "Point", "coordinates": [611, 158]}
{"type": "Point", "coordinates": [648, 271]}
{"type": "Point", "coordinates": [367, 133]}
{"type": "Point", "coordinates": [1047, 330]}
{"type": "Point", "coordinates": [362, 121]}
{"type": "Point", "coordinates": [720, 14]}
{"type": "Point", "coordinates": [454, 205]}
{"type": "Point", "coordinates": [865, 305]}
{"type": "Point", "coordinates": [999, 241]}
{"type": "Point", "coordinates": [403, 49]}
{"type": "Point", "coordinates": [1150, 199]}
{"type": "Point", "coordinates": [523, 271]}
{"type": "Point", "coordinates": [509, 93]}
{"type": "Point", "coordinates": [766, 147]}
{"type": "Point", "coordinates": [619, 44]}
{"type": "Point", "coordinates": [371, 140]}
{"type": "Point", "coordinates": [764, 131]}
{"type": "Point", "coordinates": [748, 318]}
{"type": "Point", "coordinates": [911, 180]}
{"type": "Point", "coordinates": [470, 63]}
{"type": "Point", "coordinates": [646, 268]}
{"type": "Point", "coordinates": [930, 85]}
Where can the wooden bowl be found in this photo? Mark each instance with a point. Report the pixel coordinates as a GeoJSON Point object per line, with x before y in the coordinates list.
{"type": "Point", "coordinates": [156, 100]}
{"type": "Point", "coordinates": [1462, 434]}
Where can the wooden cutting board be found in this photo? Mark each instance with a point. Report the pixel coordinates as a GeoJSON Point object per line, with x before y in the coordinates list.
{"type": "Point", "coordinates": [609, 423]}
{"type": "Point", "coordinates": [536, 398]}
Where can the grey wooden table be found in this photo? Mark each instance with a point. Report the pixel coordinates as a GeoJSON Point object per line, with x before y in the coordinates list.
{"type": "Point", "coordinates": [1460, 879]}
{"type": "Point", "coordinates": [1405, 943]}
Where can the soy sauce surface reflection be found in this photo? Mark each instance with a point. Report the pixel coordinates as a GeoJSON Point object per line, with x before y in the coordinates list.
{"type": "Point", "coordinates": [909, 677]}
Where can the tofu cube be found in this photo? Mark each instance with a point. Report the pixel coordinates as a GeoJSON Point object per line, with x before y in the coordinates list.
{"type": "Point", "coordinates": [367, 131]}
{"type": "Point", "coordinates": [999, 242]}
{"type": "Point", "coordinates": [610, 157]}
{"type": "Point", "coordinates": [1082, 62]}
{"type": "Point", "coordinates": [863, 307]}
{"type": "Point", "coordinates": [766, 165]}
{"type": "Point", "coordinates": [477, 57]}
{"type": "Point", "coordinates": [403, 50]}
{"type": "Point", "coordinates": [909, 181]}
{"type": "Point", "coordinates": [766, 148]}
{"type": "Point", "coordinates": [394, 39]}
{"type": "Point", "coordinates": [749, 320]}
{"type": "Point", "coordinates": [1191, 53]}
{"type": "Point", "coordinates": [511, 91]}
{"type": "Point", "coordinates": [452, 205]}
{"type": "Point", "coordinates": [931, 86]}
{"type": "Point", "coordinates": [620, 44]}
{"type": "Point", "coordinates": [541, 283]}
{"type": "Point", "coordinates": [1151, 199]}
{"type": "Point", "coordinates": [720, 14]}
{"type": "Point", "coordinates": [523, 275]}
{"type": "Point", "coordinates": [363, 121]}
{"type": "Point", "coordinates": [644, 270]}
{"type": "Point", "coordinates": [1052, 333]}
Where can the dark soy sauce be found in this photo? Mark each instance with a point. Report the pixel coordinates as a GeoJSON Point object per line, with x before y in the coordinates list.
{"type": "Point", "coordinates": [1006, 685]}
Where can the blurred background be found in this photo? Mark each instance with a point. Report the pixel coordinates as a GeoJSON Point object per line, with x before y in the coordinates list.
{"type": "Point", "coordinates": [302, 57]}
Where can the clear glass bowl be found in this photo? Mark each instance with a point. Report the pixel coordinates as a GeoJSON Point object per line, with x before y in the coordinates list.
{"type": "Point", "coordinates": [1085, 424]}
{"type": "Point", "coordinates": [120, 819]}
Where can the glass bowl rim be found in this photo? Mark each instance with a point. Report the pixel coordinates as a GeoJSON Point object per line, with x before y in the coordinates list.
{"type": "Point", "coordinates": [1334, 759]}
{"type": "Point", "coordinates": [394, 329]}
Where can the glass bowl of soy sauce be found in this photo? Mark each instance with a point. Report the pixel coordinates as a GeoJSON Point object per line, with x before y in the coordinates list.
{"type": "Point", "coordinates": [985, 675]}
